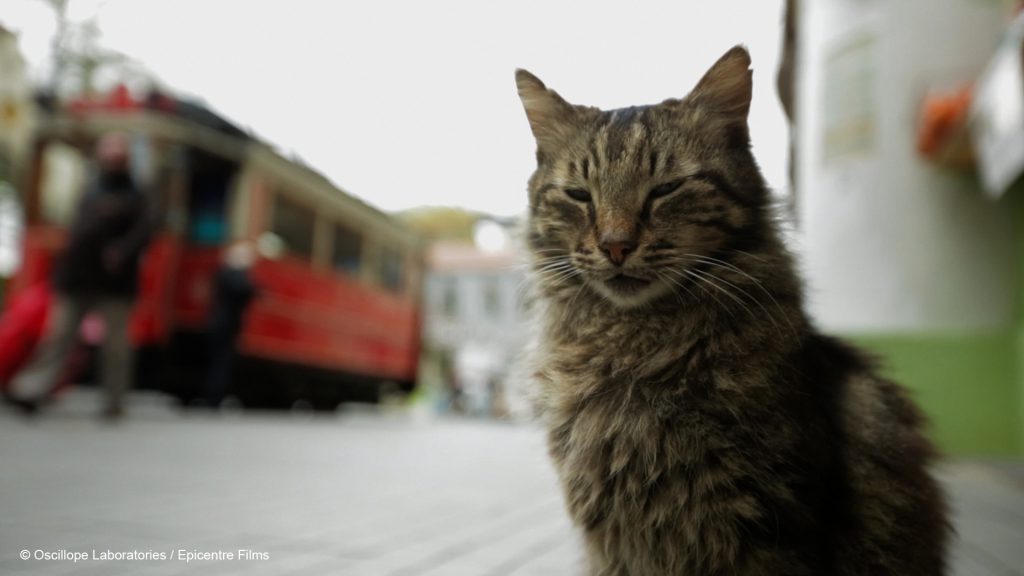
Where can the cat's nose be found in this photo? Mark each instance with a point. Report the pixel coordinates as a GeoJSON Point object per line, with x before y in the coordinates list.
{"type": "Point", "coordinates": [616, 250]}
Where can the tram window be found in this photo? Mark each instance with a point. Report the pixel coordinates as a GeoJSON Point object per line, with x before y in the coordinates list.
{"type": "Point", "coordinates": [207, 224]}
{"type": "Point", "coordinates": [210, 178]}
{"type": "Point", "coordinates": [392, 270]}
{"type": "Point", "coordinates": [348, 248]}
{"type": "Point", "coordinates": [294, 224]}
{"type": "Point", "coordinates": [63, 179]}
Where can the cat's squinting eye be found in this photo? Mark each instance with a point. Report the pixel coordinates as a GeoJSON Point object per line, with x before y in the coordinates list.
{"type": "Point", "coordinates": [664, 189]}
{"type": "Point", "coordinates": [578, 194]}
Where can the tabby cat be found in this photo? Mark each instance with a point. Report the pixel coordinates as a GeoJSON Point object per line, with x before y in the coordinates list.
{"type": "Point", "coordinates": [699, 423]}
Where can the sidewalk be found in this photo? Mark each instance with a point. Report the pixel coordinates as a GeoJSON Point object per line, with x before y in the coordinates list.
{"type": "Point", "coordinates": [359, 493]}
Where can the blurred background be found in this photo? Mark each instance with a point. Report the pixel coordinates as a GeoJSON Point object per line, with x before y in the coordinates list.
{"type": "Point", "coordinates": [331, 292]}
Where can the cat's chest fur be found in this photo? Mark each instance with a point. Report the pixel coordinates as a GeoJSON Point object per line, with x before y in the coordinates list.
{"type": "Point", "coordinates": [658, 460]}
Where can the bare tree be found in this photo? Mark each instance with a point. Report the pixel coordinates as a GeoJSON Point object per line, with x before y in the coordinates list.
{"type": "Point", "coordinates": [78, 55]}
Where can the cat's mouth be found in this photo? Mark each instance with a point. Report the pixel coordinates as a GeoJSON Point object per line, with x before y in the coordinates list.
{"type": "Point", "coordinates": [626, 285]}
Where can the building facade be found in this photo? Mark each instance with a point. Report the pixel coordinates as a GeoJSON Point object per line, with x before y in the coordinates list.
{"type": "Point", "coordinates": [909, 257]}
{"type": "Point", "coordinates": [474, 329]}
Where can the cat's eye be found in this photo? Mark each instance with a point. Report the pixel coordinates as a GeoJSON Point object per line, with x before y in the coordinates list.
{"type": "Point", "coordinates": [664, 189]}
{"type": "Point", "coordinates": [578, 194]}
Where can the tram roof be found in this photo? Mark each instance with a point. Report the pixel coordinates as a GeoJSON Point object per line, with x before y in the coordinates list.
{"type": "Point", "coordinates": [198, 127]}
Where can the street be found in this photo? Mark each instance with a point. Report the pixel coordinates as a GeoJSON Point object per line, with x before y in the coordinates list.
{"type": "Point", "coordinates": [386, 492]}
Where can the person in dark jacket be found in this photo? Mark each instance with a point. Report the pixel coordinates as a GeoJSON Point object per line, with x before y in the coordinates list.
{"type": "Point", "coordinates": [97, 271]}
{"type": "Point", "coordinates": [233, 289]}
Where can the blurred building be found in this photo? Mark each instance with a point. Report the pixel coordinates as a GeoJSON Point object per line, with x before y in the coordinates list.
{"type": "Point", "coordinates": [16, 125]}
{"type": "Point", "coordinates": [474, 324]}
{"type": "Point", "coordinates": [16, 109]}
{"type": "Point", "coordinates": [904, 252]}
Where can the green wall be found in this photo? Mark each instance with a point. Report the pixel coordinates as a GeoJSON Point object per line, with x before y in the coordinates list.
{"type": "Point", "coordinates": [968, 384]}
{"type": "Point", "coordinates": [1016, 201]}
{"type": "Point", "coordinates": [971, 385]}
{"type": "Point", "coordinates": [1018, 351]}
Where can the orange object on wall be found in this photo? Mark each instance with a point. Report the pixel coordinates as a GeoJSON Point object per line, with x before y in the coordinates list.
{"type": "Point", "coordinates": [942, 132]}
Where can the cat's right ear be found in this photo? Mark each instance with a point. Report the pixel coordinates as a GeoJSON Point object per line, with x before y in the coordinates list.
{"type": "Point", "coordinates": [550, 116]}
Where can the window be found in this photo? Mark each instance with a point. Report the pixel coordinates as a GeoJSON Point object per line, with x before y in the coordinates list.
{"type": "Point", "coordinates": [63, 179]}
{"type": "Point", "coordinates": [208, 196]}
{"type": "Point", "coordinates": [392, 269]}
{"type": "Point", "coordinates": [294, 224]}
{"type": "Point", "coordinates": [492, 297]}
{"type": "Point", "coordinates": [348, 249]}
{"type": "Point", "coordinates": [450, 297]}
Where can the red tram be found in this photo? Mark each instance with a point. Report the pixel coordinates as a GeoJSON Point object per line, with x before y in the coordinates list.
{"type": "Point", "coordinates": [338, 313]}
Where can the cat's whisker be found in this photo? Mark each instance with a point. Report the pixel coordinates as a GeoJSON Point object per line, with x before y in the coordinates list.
{"type": "Point", "coordinates": [699, 280]}
{"type": "Point", "coordinates": [713, 276]}
{"type": "Point", "coordinates": [723, 264]}
{"type": "Point", "coordinates": [664, 275]}
{"type": "Point", "coordinates": [557, 275]}
{"type": "Point", "coordinates": [680, 274]}
{"type": "Point", "coordinates": [711, 280]}
{"type": "Point", "coordinates": [552, 280]}
{"type": "Point", "coordinates": [549, 260]}
{"type": "Point", "coordinates": [524, 265]}
{"type": "Point", "coordinates": [523, 288]}
{"type": "Point", "coordinates": [692, 258]}
{"type": "Point", "coordinates": [567, 274]}
{"type": "Point", "coordinates": [553, 267]}
{"type": "Point", "coordinates": [568, 309]}
{"type": "Point", "coordinates": [754, 256]}
{"type": "Point", "coordinates": [559, 256]}
{"type": "Point", "coordinates": [673, 284]}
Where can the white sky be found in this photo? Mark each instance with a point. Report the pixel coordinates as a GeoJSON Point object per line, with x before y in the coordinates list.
{"type": "Point", "coordinates": [408, 103]}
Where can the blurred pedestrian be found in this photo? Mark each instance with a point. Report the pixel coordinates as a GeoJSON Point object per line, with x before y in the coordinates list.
{"type": "Point", "coordinates": [233, 289]}
{"type": "Point", "coordinates": [98, 272]}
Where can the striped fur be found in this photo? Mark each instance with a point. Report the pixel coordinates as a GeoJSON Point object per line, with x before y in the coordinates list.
{"type": "Point", "coordinates": [698, 421]}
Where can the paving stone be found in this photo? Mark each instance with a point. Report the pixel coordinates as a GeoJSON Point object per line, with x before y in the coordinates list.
{"type": "Point", "coordinates": [360, 493]}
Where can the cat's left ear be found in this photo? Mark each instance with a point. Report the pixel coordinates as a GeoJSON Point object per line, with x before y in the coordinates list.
{"type": "Point", "coordinates": [550, 116]}
{"type": "Point", "coordinates": [726, 89]}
